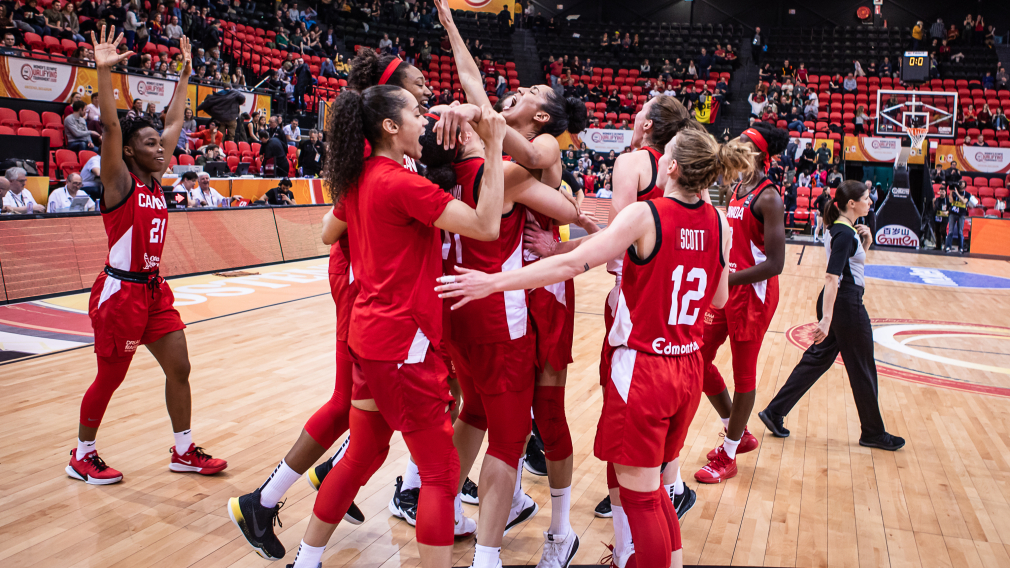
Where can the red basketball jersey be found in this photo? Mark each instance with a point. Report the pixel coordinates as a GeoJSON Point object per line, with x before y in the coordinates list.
{"type": "Point", "coordinates": [750, 308]}
{"type": "Point", "coordinates": [663, 298]}
{"type": "Point", "coordinates": [136, 229]}
{"type": "Point", "coordinates": [651, 191]}
{"type": "Point", "coordinates": [502, 316]}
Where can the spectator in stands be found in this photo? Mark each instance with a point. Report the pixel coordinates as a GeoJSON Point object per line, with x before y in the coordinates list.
{"type": "Point", "coordinates": [10, 45]}
{"type": "Point", "coordinates": [758, 45]}
{"type": "Point", "coordinates": [280, 195]}
{"type": "Point", "coordinates": [18, 200]}
{"type": "Point", "coordinates": [61, 199]}
{"type": "Point", "coordinates": [990, 37]}
{"type": "Point", "coordinates": [211, 153]}
{"type": "Point", "coordinates": [293, 133]}
{"type": "Point", "coordinates": [679, 69]}
{"type": "Point", "coordinates": [705, 62]}
{"type": "Point", "coordinates": [31, 16]}
{"type": "Point", "coordinates": [645, 69]}
{"type": "Point", "coordinates": [505, 20]}
{"type": "Point", "coordinates": [204, 195]}
{"type": "Point", "coordinates": [209, 135]}
{"type": "Point", "coordinates": [860, 120]}
{"type": "Point", "coordinates": [385, 44]}
{"type": "Point", "coordinates": [758, 102]}
{"type": "Point", "coordinates": [54, 19]}
{"type": "Point", "coordinates": [76, 129]}
{"type": "Point", "coordinates": [857, 68]}
{"type": "Point", "coordinates": [871, 69]}
{"type": "Point", "coordinates": [691, 72]}
{"type": "Point", "coordinates": [275, 149]}
{"type": "Point", "coordinates": [958, 198]}
{"type": "Point", "coordinates": [999, 120]}
{"type": "Point", "coordinates": [917, 34]}
{"type": "Point", "coordinates": [980, 141]}
{"type": "Point", "coordinates": [796, 120]}
{"type": "Point", "coordinates": [938, 31]}
{"type": "Point", "coordinates": [173, 31]}
{"type": "Point", "coordinates": [810, 110]}
{"type": "Point", "coordinates": [156, 120]}
{"type": "Point", "coordinates": [824, 157]}
{"type": "Point", "coordinates": [787, 71]}
{"type": "Point", "coordinates": [765, 74]}
{"type": "Point", "coordinates": [979, 32]}
{"type": "Point", "coordinates": [554, 67]}
{"type": "Point", "coordinates": [807, 158]}
{"type": "Point", "coordinates": [311, 154]}
{"type": "Point", "coordinates": [849, 84]}
{"type": "Point", "coordinates": [91, 175]}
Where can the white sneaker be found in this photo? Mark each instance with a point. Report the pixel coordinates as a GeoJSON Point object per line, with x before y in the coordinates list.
{"type": "Point", "coordinates": [521, 512]}
{"type": "Point", "coordinates": [559, 551]}
{"type": "Point", "coordinates": [613, 560]}
{"type": "Point", "coordinates": [465, 526]}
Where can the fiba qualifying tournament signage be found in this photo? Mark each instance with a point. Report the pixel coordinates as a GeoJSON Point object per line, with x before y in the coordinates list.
{"type": "Point", "coordinates": [975, 158]}
{"type": "Point", "coordinates": [605, 139]}
{"type": "Point", "coordinates": [876, 149]}
{"type": "Point", "coordinates": [36, 79]}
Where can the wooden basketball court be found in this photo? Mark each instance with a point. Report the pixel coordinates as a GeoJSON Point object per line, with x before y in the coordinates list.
{"type": "Point", "coordinates": [814, 499]}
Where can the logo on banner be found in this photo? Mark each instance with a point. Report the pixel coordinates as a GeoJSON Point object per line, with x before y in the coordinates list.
{"type": "Point", "coordinates": [900, 191]}
{"type": "Point", "coordinates": [36, 73]}
{"type": "Point", "coordinates": [983, 157]}
{"type": "Point", "coordinates": [152, 88]}
{"type": "Point", "coordinates": [927, 352]}
{"type": "Point", "coordinates": [897, 236]}
{"type": "Point", "coordinates": [607, 137]}
{"type": "Point", "coordinates": [884, 143]}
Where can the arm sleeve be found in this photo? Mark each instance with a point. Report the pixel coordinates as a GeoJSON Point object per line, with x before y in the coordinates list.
{"type": "Point", "coordinates": [842, 247]}
{"type": "Point", "coordinates": [418, 198]}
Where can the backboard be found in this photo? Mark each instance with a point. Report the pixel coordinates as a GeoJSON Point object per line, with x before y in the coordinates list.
{"type": "Point", "coordinates": [899, 110]}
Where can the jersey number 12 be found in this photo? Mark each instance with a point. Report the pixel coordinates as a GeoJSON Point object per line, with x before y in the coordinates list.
{"type": "Point", "coordinates": [687, 316]}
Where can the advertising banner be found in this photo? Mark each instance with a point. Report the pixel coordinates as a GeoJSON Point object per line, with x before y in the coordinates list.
{"type": "Point", "coordinates": [605, 139]}
{"type": "Point", "coordinates": [148, 89]}
{"type": "Point", "coordinates": [898, 220]}
{"type": "Point", "coordinates": [974, 158]}
{"type": "Point", "coordinates": [493, 6]}
{"type": "Point", "coordinates": [876, 149]}
{"type": "Point", "coordinates": [36, 79]}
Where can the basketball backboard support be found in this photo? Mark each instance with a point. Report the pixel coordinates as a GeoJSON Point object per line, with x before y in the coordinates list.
{"type": "Point", "coordinates": [898, 111]}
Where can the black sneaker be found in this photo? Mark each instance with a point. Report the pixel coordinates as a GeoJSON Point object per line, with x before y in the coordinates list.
{"type": "Point", "coordinates": [884, 441]}
{"type": "Point", "coordinates": [536, 462]}
{"type": "Point", "coordinates": [315, 477]}
{"type": "Point", "coordinates": [685, 501]}
{"type": "Point", "coordinates": [257, 524]}
{"type": "Point", "coordinates": [404, 502]}
{"type": "Point", "coordinates": [773, 422]}
{"type": "Point", "coordinates": [604, 510]}
{"type": "Point", "coordinates": [469, 493]}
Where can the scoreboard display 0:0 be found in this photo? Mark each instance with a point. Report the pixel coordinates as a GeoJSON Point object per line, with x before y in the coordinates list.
{"type": "Point", "coordinates": [915, 67]}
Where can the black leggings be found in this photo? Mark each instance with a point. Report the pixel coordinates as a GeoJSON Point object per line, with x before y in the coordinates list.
{"type": "Point", "coordinates": [852, 323]}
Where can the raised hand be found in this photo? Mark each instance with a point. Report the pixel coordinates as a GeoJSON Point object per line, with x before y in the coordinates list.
{"type": "Point", "coordinates": [444, 13]}
{"type": "Point", "coordinates": [106, 56]}
{"type": "Point", "coordinates": [187, 56]}
{"type": "Point", "coordinates": [491, 126]}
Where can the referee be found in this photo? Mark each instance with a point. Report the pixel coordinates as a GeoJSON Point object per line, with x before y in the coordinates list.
{"type": "Point", "coordinates": [842, 315]}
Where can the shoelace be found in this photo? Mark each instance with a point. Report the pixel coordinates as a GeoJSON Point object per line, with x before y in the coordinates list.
{"type": "Point", "coordinates": [97, 462]}
{"type": "Point", "coordinates": [275, 517]}
{"type": "Point", "coordinates": [608, 559]}
{"type": "Point", "coordinates": [198, 452]}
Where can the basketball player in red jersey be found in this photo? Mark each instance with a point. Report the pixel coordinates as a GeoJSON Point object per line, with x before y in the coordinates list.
{"type": "Point", "coordinates": [676, 249]}
{"type": "Point", "coordinates": [399, 382]}
{"type": "Point", "coordinates": [536, 116]}
{"type": "Point", "coordinates": [254, 512]}
{"type": "Point", "coordinates": [491, 341]}
{"type": "Point", "coordinates": [755, 215]}
{"type": "Point", "coordinates": [131, 305]}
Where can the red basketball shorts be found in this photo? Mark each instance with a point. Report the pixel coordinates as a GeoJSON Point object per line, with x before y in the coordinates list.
{"type": "Point", "coordinates": [411, 396]}
{"type": "Point", "coordinates": [607, 353]}
{"type": "Point", "coordinates": [552, 311]}
{"type": "Point", "coordinates": [745, 355]}
{"type": "Point", "coordinates": [648, 405]}
{"type": "Point", "coordinates": [126, 315]}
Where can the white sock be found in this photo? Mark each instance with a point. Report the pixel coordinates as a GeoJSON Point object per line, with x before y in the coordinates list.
{"type": "Point", "coordinates": [277, 484]}
{"type": "Point", "coordinates": [669, 490]}
{"type": "Point", "coordinates": [411, 477]}
{"type": "Point", "coordinates": [183, 441]}
{"type": "Point", "coordinates": [459, 507]}
{"type": "Point", "coordinates": [560, 504]}
{"type": "Point", "coordinates": [517, 493]}
{"type": "Point", "coordinates": [341, 450]}
{"type": "Point", "coordinates": [486, 557]}
{"type": "Point", "coordinates": [730, 447]}
{"type": "Point", "coordinates": [678, 484]}
{"type": "Point", "coordinates": [308, 556]}
{"type": "Point", "coordinates": [622, 531]}
{"type": "Point", "coordinates": [84, 448]}
{"type": "Point", "coordinates": [725, 422]}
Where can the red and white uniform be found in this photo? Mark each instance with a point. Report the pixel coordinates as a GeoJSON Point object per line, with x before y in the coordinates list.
{"type": "Point", "coordinates": [397, 316]}
{"type": "Point", "coordinates": [651, 191]}
{"type": "Point", "coordinates": [750, 307]}
{"type": "Point", "coordinates": [552, 308]}
{"type": "Point", "coordinates": [127, 314]}
{"type": "Point", "coordinates": [657, 334]}
{"type": "Point", "coordinates": [491, 343]}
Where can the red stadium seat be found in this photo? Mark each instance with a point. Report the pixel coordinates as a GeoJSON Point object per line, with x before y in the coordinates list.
{"type": "Point", "coordinates": [9, 118]}
{"type": "Point", "coordinates": [52, 120]}
{"type": "Point", "coordinates": [233, 163]}
{"type": "Point", "coordinates": [186, 160]}
{"type": "Point", "coordinates": [7, 131]}
{"type": "Point", "coordinates": [23, 131]}
{"type": "Point", "coordinates": [84, 155]}
{"type": "Point", "coordinates": [55, 138]}
{"type": "Point", "coordinates": [30, 119]}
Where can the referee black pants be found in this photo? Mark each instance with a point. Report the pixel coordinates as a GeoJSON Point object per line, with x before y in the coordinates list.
{"type": "Point", "coordinates": [851, 335]}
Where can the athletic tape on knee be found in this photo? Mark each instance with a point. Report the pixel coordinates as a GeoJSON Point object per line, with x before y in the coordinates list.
{"type": "Point", "coordinates": [549, 411]}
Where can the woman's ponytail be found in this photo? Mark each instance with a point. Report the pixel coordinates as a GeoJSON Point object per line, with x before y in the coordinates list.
{"type": "Point", "coordinates": [345, 133]}
{"type": "Point", "coordinates": [702, 160]}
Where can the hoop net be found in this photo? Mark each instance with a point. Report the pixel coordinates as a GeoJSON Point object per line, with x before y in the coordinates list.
{"type": "Point", "coordinates": [917, 135]}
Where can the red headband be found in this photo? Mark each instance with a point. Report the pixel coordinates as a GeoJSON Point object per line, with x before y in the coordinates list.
{"type": "Point", "coordinates": [389, 70]}
{"type": "Point", "coordinates": [754, 136]}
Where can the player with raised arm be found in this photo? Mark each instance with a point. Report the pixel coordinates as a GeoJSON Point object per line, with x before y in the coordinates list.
{"type": "Point", "coordinates": [673, 270]}
{"type": "Point", "coordinates": [131, 305]}
{"type": "Point", "coordinates": [756, 217]}
{"type": "Point", "coordinates": [399, 382]}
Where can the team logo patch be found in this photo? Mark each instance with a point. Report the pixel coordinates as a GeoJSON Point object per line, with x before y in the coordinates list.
{"type": "Point", "coordinates": [935, 277]}
{"type": "Point", "coordinates": [959, 356]}
{"type": "Point", "coordinates": [131, 345]}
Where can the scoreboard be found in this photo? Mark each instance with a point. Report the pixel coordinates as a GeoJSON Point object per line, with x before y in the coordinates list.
{"type": "Point", "coordinates": [915, 67]}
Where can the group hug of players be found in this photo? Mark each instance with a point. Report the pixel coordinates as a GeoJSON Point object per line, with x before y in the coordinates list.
{"type": "Point", "coordinates": [455, 309]}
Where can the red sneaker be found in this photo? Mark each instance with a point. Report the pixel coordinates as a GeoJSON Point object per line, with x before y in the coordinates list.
{"type": "Point", "coordinates": [748, 443]}
{"type": "Point", "coordinates": [195, 460]}
{"type": "Point", "coordinates": [92, 470]}
{"type": "Point", "coordinates": [717, 470]}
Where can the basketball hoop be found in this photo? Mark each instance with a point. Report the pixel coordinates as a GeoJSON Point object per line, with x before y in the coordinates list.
{"type": "Point", "coordinates": [917, 135]}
